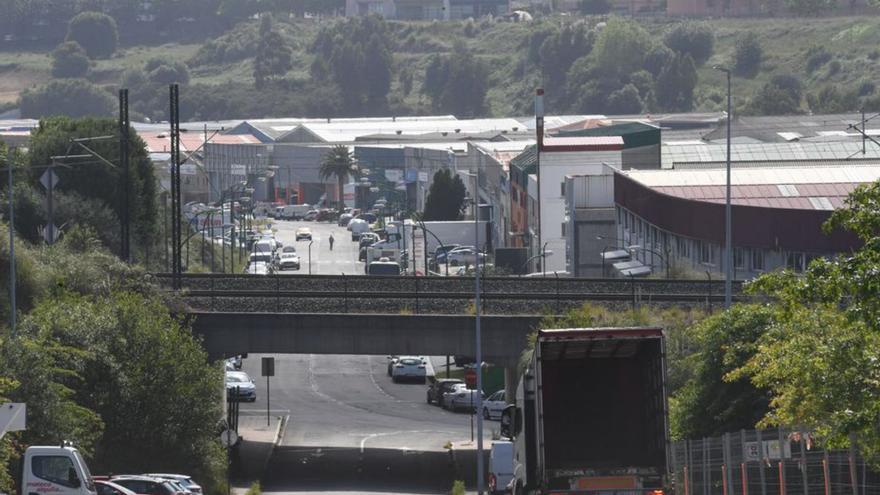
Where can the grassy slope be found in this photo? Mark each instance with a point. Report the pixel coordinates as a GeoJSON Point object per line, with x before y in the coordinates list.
{"type": "Point", "coordinates": [849, 39]}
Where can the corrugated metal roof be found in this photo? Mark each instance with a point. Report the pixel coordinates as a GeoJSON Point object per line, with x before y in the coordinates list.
{"type": "Point", "coordinates": [815, 187]}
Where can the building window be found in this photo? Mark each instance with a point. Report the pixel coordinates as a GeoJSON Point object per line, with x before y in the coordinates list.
{"type": "Point", "coordinates": [706, 253]}
{"type": "Point", "coordinates": [683, 247]}
{"type": "Point", "coordinates": [757, 260]}
{"type": "Point", "coordinates": [739, 258]}
{"type": "Point", "coordinates": [795, 261]}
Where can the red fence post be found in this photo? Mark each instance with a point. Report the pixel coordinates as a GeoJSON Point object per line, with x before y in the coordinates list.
{"type": "Point", "coordinates": [745, 479]}
{"type": "Point", "coordinates": [826, 475]}
{"type": "Point", "coordinates": [724, 479]}
{"type": "Point", "coordinates": [781, 476]}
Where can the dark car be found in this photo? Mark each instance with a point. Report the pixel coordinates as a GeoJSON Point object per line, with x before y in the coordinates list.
{"type": "Point", "coordinates": [439, 387]}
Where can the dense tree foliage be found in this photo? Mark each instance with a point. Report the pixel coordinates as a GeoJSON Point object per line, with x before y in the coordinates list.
{"type": "Point", "coordinates": [457, 83]}
{"type": "Point", "coordinates": [273, 55]}
{"type": "Point", "coordinates": [780, 96]}
{"type": "Point", "coordinates": [95, 32]}
{"type": "Point", "coordinates": [70, 60]}
{"type": "Point", "coordinates": [70, 97]}
{"type": "Point", "coordinates": [96, 179]}
{"type": "Point", "coordinates": [446, 197]}
{"type": "Point", "coordinates": [691, 38]}
{"type": "Point", "coordinates": [747, 55]}
{"type": "Point", "coordinates": [674, 88]}
{"type": "Point", "coordinates": [810, 7]}
{"type": "Point", "coordinates": [355, 55]}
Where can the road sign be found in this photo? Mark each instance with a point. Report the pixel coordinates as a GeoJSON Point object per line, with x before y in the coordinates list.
{"type": "Point", "coordinates": [228, 438]}
{"type": "Point", "coordinates": [49, 179]}
{"type": "Point", "coordinates": [12, 417]}
{"type": "Point", "coordinates": [771, 450]}
{"type": "Point", "coordinates": [470, 378]}
{"type": "Point", "coordinates": [268, 366]}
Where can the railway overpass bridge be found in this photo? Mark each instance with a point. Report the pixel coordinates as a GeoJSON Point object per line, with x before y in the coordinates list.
{"type": "Point", "coordinates": [403, 315]}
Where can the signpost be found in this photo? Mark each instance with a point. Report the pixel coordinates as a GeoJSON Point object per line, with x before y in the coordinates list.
{"type": "Point", "coordinates": [12, 417]}
{"type": "Point", "coordinates": [268, 369]}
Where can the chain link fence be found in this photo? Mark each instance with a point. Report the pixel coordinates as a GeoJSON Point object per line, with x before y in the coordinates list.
{"type": "Point", "coordinates": [768, 462]}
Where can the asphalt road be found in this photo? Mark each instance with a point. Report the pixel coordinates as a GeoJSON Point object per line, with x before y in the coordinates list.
{"type": "Point", "coordinates": [342, 259]}
{"type": "Point", "coordinates": [352, 430]}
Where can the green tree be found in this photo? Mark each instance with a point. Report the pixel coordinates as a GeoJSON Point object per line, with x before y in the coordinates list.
{"type": "Point", "coordinates": [747, 55]}
{"type": "Point", "coordinates": [674, 87]}
{"type": "Point", "coordinates": [274, 57]}
{"type": "Point", "coordinates": [70, 97]}
{"type": "Point", "coordinates": [162, 71]}
{"type": "Point", "coordinates": [70, 60]}
{"type": "Point", "coordinates": [779, 96]}
{"type": "Point", "coordinates": [338, 163]}
{"type": "Point", "coordinates": [621, 47]}
{"type": "Point", "coordinates": [558, 52]}
{"type": "Point", "coordinates": [820, 359]}
{"type": "Point", "coordinates": [446, 197]}
{"type": "Point", "coordinates": [457, 83]}
{"type": "Point", "coordinates": [691, 38]}
{"type": "Point", "coordinates": [710, 403]}
{"type": "Point", "coordinates": [625, 100]}
{"type": "Point", "coordinates": [97, 180]}
{"type": "Point", "coordinates": [94, 31]}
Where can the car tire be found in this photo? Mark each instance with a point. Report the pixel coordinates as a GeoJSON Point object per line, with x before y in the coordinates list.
{"type": "Point", "coordinates": [486, 413]}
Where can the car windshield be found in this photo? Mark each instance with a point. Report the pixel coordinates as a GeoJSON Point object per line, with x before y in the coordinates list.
{"type": "Point", "coordinates": [384, 269]}
{"type": "Point", "coordinates": [263, 247]}
{"type": "Point", "coordinates": [410, 362]}
{"type": "Point", "coordinates": [288, 249]}
{"type": "Point", "coordinates": [237, 379]}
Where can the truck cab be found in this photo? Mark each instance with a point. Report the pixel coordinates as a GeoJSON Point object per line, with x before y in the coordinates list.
{"type": "Point", "coordinates": [55, 470]}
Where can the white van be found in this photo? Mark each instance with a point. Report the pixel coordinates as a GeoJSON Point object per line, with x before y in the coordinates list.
{"type": "Point", "coordinates": [358, 227]}
{"type": "Point", "coordinates": [500, 466]}
{"type": "Point", "coordinates": [58, 470]}
{"type": "Point", "coordinates": [295, 212]}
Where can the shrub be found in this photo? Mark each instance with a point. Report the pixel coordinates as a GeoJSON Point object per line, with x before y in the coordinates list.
{"type": "Point", "coordinates": [69, 59]}
{"type": "Point", "coordinates": [816, 57]}
{"type": "Point", "coordinates": [692, 38]}
{"type": "Point", "coordinates": [94, 31]}
{"type": "Point", "coordinates": [833, 67]}
{"type": "Point", "coordinates": [747, 55]}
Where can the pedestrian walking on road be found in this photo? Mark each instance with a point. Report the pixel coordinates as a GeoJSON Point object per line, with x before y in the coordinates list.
{"type": "Point", "coordinates": [331, 242]}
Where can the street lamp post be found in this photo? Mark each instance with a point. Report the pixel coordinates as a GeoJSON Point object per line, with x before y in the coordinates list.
{"type": "Point", "coordinates": [542, 254]}
{"type": "Point", "coordinates": [649, 250]}
{"type": "Point", "coordinates": [728, 250]}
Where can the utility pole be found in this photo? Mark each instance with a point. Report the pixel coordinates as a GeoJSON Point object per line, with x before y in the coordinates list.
{"type": "Point", "coordinates": [176, 213]}
{"type": "Point", "coordinates": [539, 129]}
{"type": "Point", "coordinates": [125, 224]}
{"type": "Point", "coordinates": [11, 226]}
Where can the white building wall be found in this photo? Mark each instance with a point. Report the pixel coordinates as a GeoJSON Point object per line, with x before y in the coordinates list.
{"type": "Point", "coordinates": [554, 167]}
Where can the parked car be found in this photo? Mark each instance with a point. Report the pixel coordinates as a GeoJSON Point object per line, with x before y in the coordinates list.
{"type": "Point", "coordinates": [326, 215]}
{"type": "Point", "coordinates": [494, 405]}
{"type": "Point", "coordinates": [439, 387]}
{"type": "Point", "coordinates": [303, 233]}
{"type": "Point", "coordinates": [183, 479]}
{"type": "Point", "coordinates": [500, 466]}
{"type": "Point", "coordinates": [288, 261]}
{"type": "Point", "coordinates": [460, 398]}
{"type": "Point", "coordinates": [240, 381]}
{"type": "Point", "coordinates": [145, 485]}
{"type": "Point", "coordinates": [262, 257]}
{"type": "Point", "coordinates": [343, 219]}
{"type": "Point", "coordinates": [368, 239]}
{"type": "Point", "coordinates": [107, 487]}
{"type": "Point", "coordinates": [235, 361]}
{"type": "Point", "coordinates": [392, 360]}
{"type": "Point", "coordinates": [384, 267]}
{"type": "Point", "coordinates": [311, 215]}
{"type": "Point", "coordinates": [264, 246]}
{"type": "Point", "coordinates": [464, 256]}
{"type": "Point", "coordinates": [409, 368]}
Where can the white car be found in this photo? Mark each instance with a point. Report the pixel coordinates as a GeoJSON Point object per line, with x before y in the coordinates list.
{"type": "Point", "coordinates": [464, 256]}
{"type": "Point", "coordinates": [288, 260]}
{"type": "Point", "coordinates": [183, 479]}
{"type": "Point", "coordinates": [239, 386]}
{"type": "Point", "coordinates": [303, 233]}
{"type": "Point", "coordinates": [259, 268]}
{"type": "Point", "coordinates": [500, 466]}
{"type": "Point", "coordinates": [494, 405]}
{"type": "Point", "coordinates": [358, 227]}
{"type": "Point", "coordinates": [460, 398]}
{"type": "Point", "coordinates": [409, 368]}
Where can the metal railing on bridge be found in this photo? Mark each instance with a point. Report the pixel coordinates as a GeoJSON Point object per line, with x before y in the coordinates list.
{"type": "Point", "coordinates": [501, 295]}
{"type": "Point", "coordinates": [769, 462]}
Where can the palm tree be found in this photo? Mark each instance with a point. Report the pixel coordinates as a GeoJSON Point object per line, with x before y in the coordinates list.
{"type": "Point", "coordinates": [338, 162]}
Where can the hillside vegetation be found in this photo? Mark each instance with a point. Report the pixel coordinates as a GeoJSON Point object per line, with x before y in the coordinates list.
{"type": "Point", "coordinates": [819, 65]}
